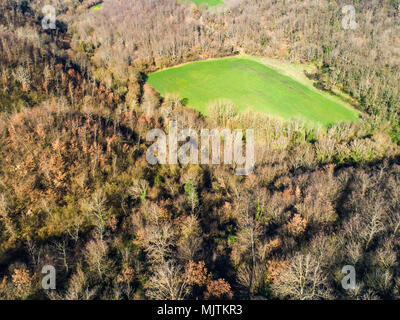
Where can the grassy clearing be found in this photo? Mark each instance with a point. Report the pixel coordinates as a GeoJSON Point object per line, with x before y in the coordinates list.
{"type": "Point", "coordinates": [248, 83]}
{"type": "Point", "coordinates": [296, 72]}
{"type": "Point", "coordinates": [97, 7]}
{"type": "Point", "coordinates": [209, 2]}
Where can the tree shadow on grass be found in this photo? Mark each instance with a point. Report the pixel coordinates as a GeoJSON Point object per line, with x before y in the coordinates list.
{"type": "Point", "coordinates": [185, 102]}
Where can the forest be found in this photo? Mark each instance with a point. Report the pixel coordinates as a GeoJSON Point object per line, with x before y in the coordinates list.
{"type": "Point", "coordinates": [77, 193]}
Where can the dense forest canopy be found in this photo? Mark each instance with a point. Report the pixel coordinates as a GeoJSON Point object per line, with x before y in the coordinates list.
{"type": "Point", "coordinates": [77, 193]}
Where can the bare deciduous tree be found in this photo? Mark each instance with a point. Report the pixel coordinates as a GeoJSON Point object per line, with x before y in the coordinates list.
{"type": "Point", "coordinates": [303, 279]}
{"type": "Point", "coordinates": [168, 283]}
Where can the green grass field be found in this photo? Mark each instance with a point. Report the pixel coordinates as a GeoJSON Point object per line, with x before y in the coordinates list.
{"type": "Point", "coordinates": [97, 7]}
{"type": "Point", "coordinates": [249, 84]}
{"type": "Point", "coordinates": [209, 2]}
